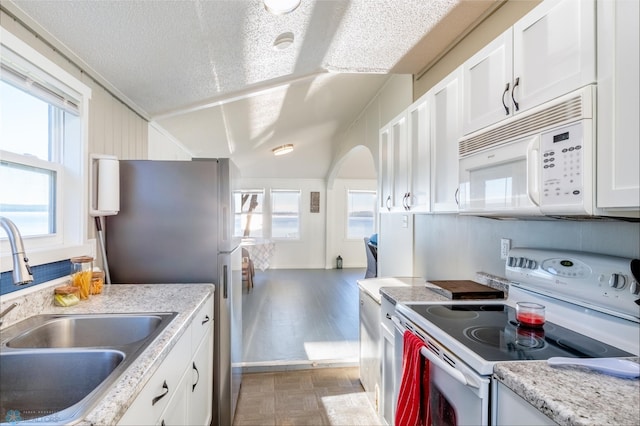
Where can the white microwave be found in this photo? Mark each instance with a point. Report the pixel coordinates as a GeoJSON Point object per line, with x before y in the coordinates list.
{"type": "Point", "coordinates": [539, 163]}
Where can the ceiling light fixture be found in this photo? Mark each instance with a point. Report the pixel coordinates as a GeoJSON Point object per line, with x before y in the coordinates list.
{"type": "Point", "coordinates": [283, 41]}
{"type": "Point", "coordinates": [281, 7]}
{"type": "Point", "coordinates": [283, 149]}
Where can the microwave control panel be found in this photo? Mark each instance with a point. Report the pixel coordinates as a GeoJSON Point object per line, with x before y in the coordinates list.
{"type": "Point", "coordinates": [562, 164]}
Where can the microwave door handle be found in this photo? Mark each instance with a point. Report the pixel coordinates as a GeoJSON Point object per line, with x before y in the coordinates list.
{"type": "Point", "coordinates": [533, 170]}
{"type": "Point", "coordinates": [446, 367]}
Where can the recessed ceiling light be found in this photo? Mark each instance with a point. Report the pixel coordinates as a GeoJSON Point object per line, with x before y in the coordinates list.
{"type": "Point", "coordinates": [283, 41]}
{"type": "Point", "coordinates": [283, 149]}
{"type": "Point", "coordinates": [281, 7]}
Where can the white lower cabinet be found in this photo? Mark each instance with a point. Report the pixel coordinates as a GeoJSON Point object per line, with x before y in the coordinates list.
{"type": "Point", "coordinates": [180, 391]}
{"type": "Point", "coordinates": [511, 409]}
{"type": "Point", "coordinates": [387, 393]}
{"type": "Point", "coordinates": [370, 347]}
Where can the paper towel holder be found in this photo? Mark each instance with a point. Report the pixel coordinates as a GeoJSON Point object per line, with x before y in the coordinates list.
{"type": "Point", "coordinates": [104, 185]}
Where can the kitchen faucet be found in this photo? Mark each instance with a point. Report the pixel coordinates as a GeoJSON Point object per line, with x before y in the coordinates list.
{"type": "Point", "coordinates": [21, 270]}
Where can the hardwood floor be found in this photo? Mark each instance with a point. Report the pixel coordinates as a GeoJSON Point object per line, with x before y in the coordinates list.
{"type": "Point", "coordinates": [301, 350]}
{"type": "Point", "coordinates": [301, 317]}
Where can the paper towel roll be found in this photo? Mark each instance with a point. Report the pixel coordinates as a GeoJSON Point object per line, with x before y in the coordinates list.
{"type": "Point", "coordinates": [108, 186]}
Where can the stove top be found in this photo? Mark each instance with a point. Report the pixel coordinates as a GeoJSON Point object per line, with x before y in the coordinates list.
{"type": "Point", "coordinates": [491, 332]}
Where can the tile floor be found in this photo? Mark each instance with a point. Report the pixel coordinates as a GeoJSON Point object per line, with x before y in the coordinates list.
{"type": "Point", "coordinates": [322, 396]}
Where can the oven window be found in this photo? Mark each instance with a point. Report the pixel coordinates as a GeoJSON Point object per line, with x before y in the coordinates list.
{"type": "Point", "coordinates": [442, 411]}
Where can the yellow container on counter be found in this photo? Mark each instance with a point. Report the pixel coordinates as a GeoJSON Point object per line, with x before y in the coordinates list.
{"type": "Point", "coordinates": [81, 274]}
{"type": "Point", "coordinates": [97, 282]}
{"type": "Point", "coordinates": [67, 295]}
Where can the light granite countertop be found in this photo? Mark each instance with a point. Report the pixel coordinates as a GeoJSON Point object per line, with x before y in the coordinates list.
{"type": "Point", "coordinates": [572, 395]}
{"type": "Point", "coordinates": [372, 286]}
{"type": "Point", "coordinates": [185, 299]}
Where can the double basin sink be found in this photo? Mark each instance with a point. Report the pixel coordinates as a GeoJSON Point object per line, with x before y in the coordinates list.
{"type": "Point", "coordinates": [55, 368]}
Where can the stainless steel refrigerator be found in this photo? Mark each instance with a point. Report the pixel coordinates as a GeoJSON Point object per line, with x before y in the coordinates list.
{"type": "Point", "coordinates": [175, 225]}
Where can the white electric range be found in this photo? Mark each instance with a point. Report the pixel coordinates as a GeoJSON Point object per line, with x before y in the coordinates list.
{"type": "Point", "coordinates": [592, 311]}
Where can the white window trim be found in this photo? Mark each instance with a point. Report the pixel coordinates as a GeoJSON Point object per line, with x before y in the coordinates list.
{"type": "Point", "coordinates": [346, 207]}
{"type": "Point", "coordinates": [285, 239]}
{"type": "Point", "coordinates": [74, 200]}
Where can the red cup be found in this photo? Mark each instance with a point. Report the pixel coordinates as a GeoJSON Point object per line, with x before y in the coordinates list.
{"type": "Point", "coordinates": [530, 314]}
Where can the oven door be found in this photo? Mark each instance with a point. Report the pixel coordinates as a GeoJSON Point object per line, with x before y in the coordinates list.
{"type": "Point", "coordinates": [458, 395]}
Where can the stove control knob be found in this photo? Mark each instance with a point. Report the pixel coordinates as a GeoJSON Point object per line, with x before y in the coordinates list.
{"type": "Point", "coordinates": [532, 264]}
{"type": "Point", "coordinates": [513, 261]}
{"type": "Point", "coordinates": [635, 288]}
{"type": "Point", "coordinates": [521, 262]}
{"type": "Point", "coordinates": [617, 281]}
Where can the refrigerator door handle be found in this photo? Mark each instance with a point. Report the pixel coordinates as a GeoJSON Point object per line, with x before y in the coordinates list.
{"type": "Point", "coordinates": [224, 281]}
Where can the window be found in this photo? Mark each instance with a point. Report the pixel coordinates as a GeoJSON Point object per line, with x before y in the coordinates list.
{"type": "Point", "coordinates": [285, 214]}
{"type": "Point", "coordinates": [248, 208]}
{"type": "Point", "coordinates": [43, 144]}
{"type": "Point", "coordinates": [361, 207]}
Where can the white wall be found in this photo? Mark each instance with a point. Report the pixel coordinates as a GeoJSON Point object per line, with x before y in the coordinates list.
{"type": "Point", "coordinates": [456, 247]}
{"type": "Point", "coordinates": [352, 251]}
{"type": "Point", "coordinates": [163, 146]}
{"type": "Point", "coordinates": [308, 251]}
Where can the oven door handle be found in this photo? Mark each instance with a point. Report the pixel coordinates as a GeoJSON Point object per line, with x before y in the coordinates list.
{"type": "Point", "coordinates": [459, 376]}
{"type": "Point", "coordinates": [446, 367]}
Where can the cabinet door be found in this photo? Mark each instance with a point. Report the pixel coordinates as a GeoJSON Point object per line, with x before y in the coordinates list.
{"type": "Point", "coordinates": [386, 169]}
{"type": "Point", "coordinates": [176, 413]}
{"type": "Point", "coordinates": [419, 156]}
{"type": "Point", "coordinates": [487, 84]}
{"type": "Point", "coordinates": [553, 51]}
{"type": "Point", "coordinates": [200, 387]}
{"type": "Point", "coordinates": [369, 347]}
{"type": "Point", "coordinates": [511, 409]}
{"type": "Point", "coordinates": [618, 173]}
{"type": "Point", "coordinates": [445, 132]}
{"type": "Point", "coordinates": [400, 153]}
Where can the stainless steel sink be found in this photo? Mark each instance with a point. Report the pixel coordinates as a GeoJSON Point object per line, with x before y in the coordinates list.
{"type": "Point", "coordinates": [52, 384]}
{"type": "Point", "coordinates": [55, 368]}
{"type": "Point", "coordinates": [87, 331]}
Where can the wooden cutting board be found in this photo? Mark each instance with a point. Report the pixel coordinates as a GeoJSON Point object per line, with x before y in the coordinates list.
{"type": "Point", "coordinates": [465, 289]}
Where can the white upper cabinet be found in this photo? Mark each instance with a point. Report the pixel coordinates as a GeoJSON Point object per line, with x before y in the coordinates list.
{"type": "Point", "coordinates": [445, 131]}
{"type": "Point", "coordinates": [488, 84]}
{"type": "Point", "coordinates": [400, 154]}
{"type": "Point", "coordinates": [618, 174]}
{"type": "Point", "coordinates": [418, 195]}
{"type": "Point", "coordinates": [386, 170]}
{"type": "Point", "coordinates": [404, 160]}
{"type": "Point", "coordinates": [549, 52]}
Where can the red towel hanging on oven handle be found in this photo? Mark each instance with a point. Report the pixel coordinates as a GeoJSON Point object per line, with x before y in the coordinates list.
{"type": "Point", "coordinates": [413, 408]}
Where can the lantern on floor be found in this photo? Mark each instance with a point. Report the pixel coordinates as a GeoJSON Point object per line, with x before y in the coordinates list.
{"type": "Point", "coordinates": [339, 262]}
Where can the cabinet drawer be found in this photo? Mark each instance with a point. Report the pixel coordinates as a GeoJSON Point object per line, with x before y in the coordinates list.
{"type": "Point", "coordinates": [202, 324]}
{"type": "Point", "coordinates": [154, 397]}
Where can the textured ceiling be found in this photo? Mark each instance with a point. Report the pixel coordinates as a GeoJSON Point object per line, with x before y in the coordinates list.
{"type": "Point", "coordinates": [207, 71]}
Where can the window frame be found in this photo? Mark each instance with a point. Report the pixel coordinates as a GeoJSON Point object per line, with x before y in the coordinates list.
{"type": "Point", "coordinates": [240, 213]}
{"type": "Point", "coordinates": [72, 176]}
{"type": "Point", "coordinates": [374, 206]}
{"type": "Point", "coordinates": [273, 214]}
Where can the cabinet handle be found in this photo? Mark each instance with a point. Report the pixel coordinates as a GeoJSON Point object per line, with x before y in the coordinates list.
{"type": "Point", "coordinates": [405, 201]}
{"type": "Point", "coordinates": [388, 201]}
{"type": "Point", "coordinates": [159, 397]}
{"type": "Point", "coordinates": [206, 319]}
{"type": "Point", "coordinates": [506, 108]}
{"type": "Point", "coordinates": [193, 387]}
{"type": "Point", "coordinates": [456, 196]}
{"type": "Point", "coordinates": [388, 316]}
{"type": "Point", "coordinates": [516, 84]}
